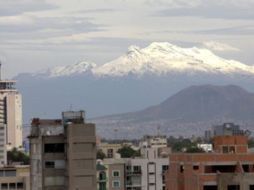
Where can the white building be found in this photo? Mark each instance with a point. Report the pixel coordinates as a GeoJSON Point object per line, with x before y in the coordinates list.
{"type": "Point", "coordinates": [154, 147]}
{"type": "Point", "coordinates": [157, 141]}
{"type": "Point", "coordinates": [206, 147]}
{"type": "Point", "coordinates": [146, 173]}
{"type": "Point", "coordinates": [10, 115]}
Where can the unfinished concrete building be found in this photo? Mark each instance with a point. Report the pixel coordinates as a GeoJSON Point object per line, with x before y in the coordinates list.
{"type": "Point", "coordinates": [229, 167]}
{"type": "Point", "coordinates": [63, 153]}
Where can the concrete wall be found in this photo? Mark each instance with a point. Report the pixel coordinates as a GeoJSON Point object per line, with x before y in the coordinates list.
{"type": "Point", "coordinates": [81, 157]}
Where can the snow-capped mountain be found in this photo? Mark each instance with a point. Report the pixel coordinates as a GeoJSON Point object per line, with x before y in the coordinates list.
{"type": "Point", "coordinates": [163, 58]}
{"type": "Point", "coordinates": [137, 79]}
{"type": "Point", "coordinates": [69, 70]}
{"type": "Point", "coordinates": [158, 59]}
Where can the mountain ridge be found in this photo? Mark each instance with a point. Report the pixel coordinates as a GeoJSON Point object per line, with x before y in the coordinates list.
{"type": "Point", "coordinates": [197, 107]}
{"type": "Point", "coordinates": [159, 58]}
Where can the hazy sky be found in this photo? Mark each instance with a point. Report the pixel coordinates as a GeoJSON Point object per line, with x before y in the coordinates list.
{"type": "Point", "coordinates": [38, 34]}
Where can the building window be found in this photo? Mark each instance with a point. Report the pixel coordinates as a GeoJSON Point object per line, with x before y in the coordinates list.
{"type": "Point", "coordinates": [10, 173]}
{"type": "Point", "coordinates": [164, 168]}
{"type": "Point", "coordinates": [102, 176]}
{"type": "Point", "coordinates": [49, 164]}
{"type": "Point", "coordinates": [116, 184]}
{"type": "Point", "coordinates": [137, 169]}
{"type": "Point", "coordinates": [233, 187]}
{"type": "Point", "coordinates": [251, 187]}
{"type": "Point", "coordinates": [232, 149]}
{"type": "Point", "coordinates": [54, 148]}
{"type": "Point", "coordinates": [12, 185]}
{"type": "Point", "coordinates": [102, 186]}
{"type": "Point", "coordinates": [20, 185]}
{"type": "Point", "coordinates": [110, 153]}
{"type": "Point", "coordinates": [210, 187]}
{"type": "Point", "coordinates": [181, 168]}
{"type": "Point", "coordinates": [4, 186]}
{"type": "Point", "coordinates": [54, 181]}
{"type": "Point", "coordinates": [225, 149]}
{"type": "Point", "coordinates": [136, 188]}
{"type": "Point", "coordinates": [57, 164]}
{"type": "Point", "coordinates": [116, 173]}
{"type": "Point", "coordinates": [195, 167]}
{"type": "Point", "coordinates": [163, 179]}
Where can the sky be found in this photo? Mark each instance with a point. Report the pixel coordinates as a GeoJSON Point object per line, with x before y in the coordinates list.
{"type": "Point", "coordinates": [40, 34]}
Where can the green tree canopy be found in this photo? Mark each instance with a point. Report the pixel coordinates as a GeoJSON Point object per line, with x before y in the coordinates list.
{"type": "Point", "coordinates": [128, 152]}
{"type": "Point", "coordinates": [100, 155]}
{"type": "Point", "coordinates": [194, 149]}
{"type": "Point", "coordinates": [17, 156]}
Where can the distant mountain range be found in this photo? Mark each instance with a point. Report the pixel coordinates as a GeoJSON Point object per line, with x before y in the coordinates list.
{"type": "Point", "coordinates": [157, 59]}
{"type": "Point", "coordinates": [193, 109]}
{"type": "Point", "coordinates": [140, 78]}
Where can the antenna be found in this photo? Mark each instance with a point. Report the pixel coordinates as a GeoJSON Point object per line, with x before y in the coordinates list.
{"type": "Point", "coordinates": [158, 129]}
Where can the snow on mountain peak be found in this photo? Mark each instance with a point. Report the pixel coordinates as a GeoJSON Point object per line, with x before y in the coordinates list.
{"type": "Point", "coordinates": [159, 58]}
{"type": "Point", "coordinates": [78, 68]}
{"type": "Point", "coordinates": [162, 58]}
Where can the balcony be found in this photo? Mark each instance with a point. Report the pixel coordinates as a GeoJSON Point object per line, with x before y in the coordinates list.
{"type": "Point", "coordinates": [134, 172]}
{"type": "Point", "coordinates": [101, 180]}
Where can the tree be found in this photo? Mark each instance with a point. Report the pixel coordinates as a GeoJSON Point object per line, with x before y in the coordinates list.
{"type": "Point", "coordinates": [128, 152]}
{"type": "Point", "coordinates": [180, 144]}
{"type": "Point", "coordinates": [194, 149]}
{"type": "Point", "coordinates": [17, 156]}
{"type": "Point", "coordinates": [100, 155]}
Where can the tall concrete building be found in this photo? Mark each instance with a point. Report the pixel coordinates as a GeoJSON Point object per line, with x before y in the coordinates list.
{"type": "Point", "coordinates": [10, 117]}
{"type": "Point", "coordinates": [63, 153]}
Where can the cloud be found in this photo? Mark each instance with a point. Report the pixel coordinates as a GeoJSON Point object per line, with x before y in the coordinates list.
{"type": "Point", "coordinates": [97, 11]}
{"type": "Point", "coordinates": [16, 7]}
{"type": "Point", "coordinates": [173, 3]}
{"type": "Point", "coordinates": [235, 30]}
{"type": "Point", "coordinates": [218, 46]}
{"type": "Point", "coordinates": [46, 26]}
{"type": "Point", "coordinates": [220, 9]}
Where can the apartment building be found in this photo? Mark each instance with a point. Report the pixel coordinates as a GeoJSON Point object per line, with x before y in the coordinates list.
{"type": "Point", "coordinates": [140, 173]}
{"type": "Point", "coordinates": [10, 118]}
{"type": "Point", "coordinates": [146, 173]}
{"type": "Point", "coordinates": [229, 167]}
{"type": "Point", "coordinates": [111, 174]}
{"type": "Point", "coordinates": [15, 177]}
{"type": "Point", "coordinates": [63, 153]}
{"type": "Point", "coordinates": [109, 149]}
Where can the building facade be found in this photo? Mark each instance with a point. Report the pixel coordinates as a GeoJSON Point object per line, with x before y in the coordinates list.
{"type": "Point", "coordinates": [10, 118]}
{"type": "Point", "coordinates": [15, 177]}
{"type": "Point", "coordinates": [63, 153]}
{"type": "Point", "coordinates": [110, 150]}
{"type": "Point", "coordinates": [146, 172]}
